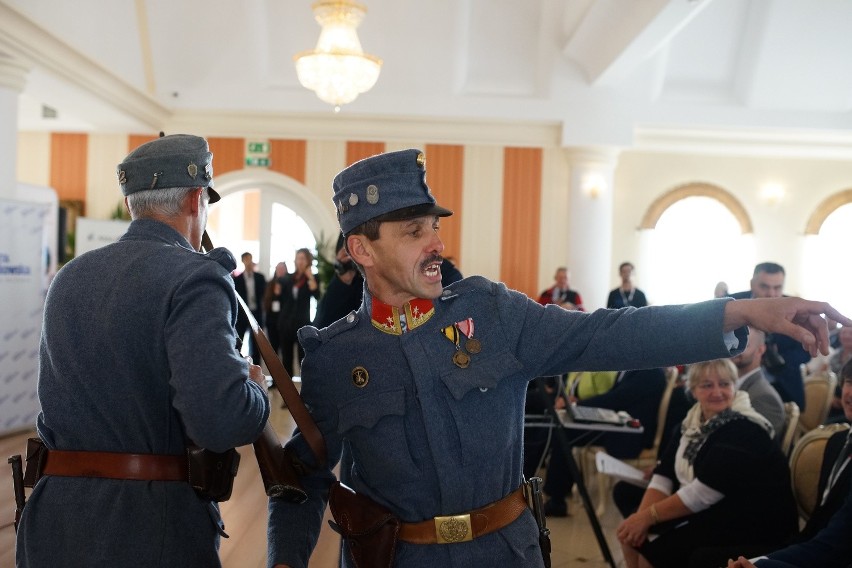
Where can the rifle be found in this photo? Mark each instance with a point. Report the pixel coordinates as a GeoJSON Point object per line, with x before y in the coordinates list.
{"type": "Point", "coordinates": [280, 469]}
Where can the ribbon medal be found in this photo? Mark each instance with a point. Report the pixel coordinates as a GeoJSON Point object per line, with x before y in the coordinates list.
{"type": "Point", "coordinates": [460, 358]}
{"type": "Point", "coordinates": [466, 327]}
{"type": "Point", "coordinates": [454, 333]}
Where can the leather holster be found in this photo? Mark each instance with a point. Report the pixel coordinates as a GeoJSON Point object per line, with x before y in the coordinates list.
{"type": "Point", "coordinates": [370, 530]}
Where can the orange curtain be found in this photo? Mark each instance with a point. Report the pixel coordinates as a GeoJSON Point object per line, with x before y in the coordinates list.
{"type": "Point", "coordinates": [444, 173]}
{"type": "Point", "coordinates": [521, 215]}
{"type": "Point", "coordinates": [359, 150]}
{"type": "Point", "coordinates": [228, 154]}
{"type": "Point", "coordinates": [68, 160]}
{"type": "Point", "coordinates": [288, 157]}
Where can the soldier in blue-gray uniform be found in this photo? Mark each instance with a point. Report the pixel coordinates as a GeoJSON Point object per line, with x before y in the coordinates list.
{"type": "Point", "coordinates": [427, 385]}
{"type": "Point", "coordinates": [137, 361]}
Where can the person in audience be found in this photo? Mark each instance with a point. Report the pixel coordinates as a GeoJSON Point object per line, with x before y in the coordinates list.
{"type": "Point", "coordinates": [561, 293]}
{"type": "Point", "coordinates": [137, 362]}
{"type": "Point", "coordinates": [626, 294]}
{"type": "Point", "coordinates": [272, 306]}
{"type": "Point", "coordinates": [250, 285]}
{"type": "Point", "coordinates": [724, 484]}
{"type": "Point", "coordinates": [298, 289]}
{"type": "Point", "coordinates": [784, 356]}
{"type": "Point", "coordinates": [721, 290]}
{"type": "Point", "coordinates": [829, 548]}
{"type": "Point", "coordinates": [764, 398]}
{"type": "Point", "coordinates": [636, 392]}
{"type": "Point", "coordinates": [842, 354]}
{"type": "Point", "coordinates": [835, 478]}
{"type": "Point", "coordinates": [425, 384]}
{"type": "Point", "coordinates": [344, 291]}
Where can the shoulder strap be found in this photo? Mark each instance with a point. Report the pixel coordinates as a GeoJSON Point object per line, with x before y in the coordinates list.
{"type": "Point", "coordinates": [282, 380]}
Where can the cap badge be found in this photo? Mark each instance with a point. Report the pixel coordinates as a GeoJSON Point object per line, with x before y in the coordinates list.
{"type": "Point", "coordinates": [208, 171]}
{"type": "Point", "coordinates": [122, 177]}
{"type": "Point", "coordinates": [353, 199]}
{"type": "Point", "coordinates": [155, 179]}
{"type": "Point", "coordinates": [372, 194]}
{"type": "Point", "coordinates": [192, 170]}
{"type": "Point", "coordinates": [421, 160]}
{"type": "Point", "coordinates": [360, 377]}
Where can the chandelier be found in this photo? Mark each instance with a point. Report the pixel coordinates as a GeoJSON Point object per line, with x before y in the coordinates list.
{"type": "Point", "coordinates": [338, 70]}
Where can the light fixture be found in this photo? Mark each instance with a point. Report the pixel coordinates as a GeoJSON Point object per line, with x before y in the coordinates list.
{"type": "Point", "coordinates": [338, 70]}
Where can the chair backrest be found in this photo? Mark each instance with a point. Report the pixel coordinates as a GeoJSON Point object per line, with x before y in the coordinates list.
{"type": "Point", "coordinates": [791, 426]}
{"type": "Point", "coordinates": [819, 390]}
{"type": "Point", "coordinates": [662, 413]}
{"type": "Point", "coordinates": [805, 464]}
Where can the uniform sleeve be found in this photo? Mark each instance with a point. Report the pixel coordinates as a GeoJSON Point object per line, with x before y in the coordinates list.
{"type": "Point", "coordinates": [549, 340]}
{"type": "Point", "coordinates": [293, 529]}
{"type": "Point", "coordinates": [219, 405]}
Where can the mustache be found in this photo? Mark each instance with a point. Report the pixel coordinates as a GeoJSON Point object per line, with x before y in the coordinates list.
{"type": "Point", "coordinates": [434, 258]}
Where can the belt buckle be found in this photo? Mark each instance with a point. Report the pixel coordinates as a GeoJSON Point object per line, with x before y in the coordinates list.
{"type": "Point", "coordinates": [453, 528]}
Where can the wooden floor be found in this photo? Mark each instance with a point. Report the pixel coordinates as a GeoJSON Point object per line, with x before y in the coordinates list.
{"type": "Point", "coordinates": [574, 544]}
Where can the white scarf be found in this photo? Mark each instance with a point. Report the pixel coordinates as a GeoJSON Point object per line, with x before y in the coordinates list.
{"type": "Point", "coordinates": [695, 432]}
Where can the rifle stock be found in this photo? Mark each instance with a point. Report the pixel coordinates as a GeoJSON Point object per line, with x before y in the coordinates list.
{"type": "Point", "coordinates": [278, 468]}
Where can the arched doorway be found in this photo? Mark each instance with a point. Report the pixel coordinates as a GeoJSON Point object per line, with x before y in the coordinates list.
{"type": "Point", "coordinates": [267, 214]}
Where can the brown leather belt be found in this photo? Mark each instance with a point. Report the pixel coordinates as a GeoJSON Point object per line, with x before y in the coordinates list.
{"type": "Point", "coordinates": [467, 526]}
{"type": "Point", "coordinates": [143, 467]}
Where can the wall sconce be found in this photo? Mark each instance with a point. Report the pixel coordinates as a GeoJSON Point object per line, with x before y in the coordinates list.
{"type": "Point", "coordinates": [593, 185]}
{"type": "Point", "coordinates": [337, 69]}
{"type": "Point", "coordinates": [772, 193]}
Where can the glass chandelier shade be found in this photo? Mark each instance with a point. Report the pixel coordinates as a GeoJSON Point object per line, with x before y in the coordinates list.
{"type": "Point", "coordinates": [338, 70]}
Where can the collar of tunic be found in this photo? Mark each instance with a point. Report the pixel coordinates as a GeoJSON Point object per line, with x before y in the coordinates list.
{"type": "Point", "coordinates": [387, 318]}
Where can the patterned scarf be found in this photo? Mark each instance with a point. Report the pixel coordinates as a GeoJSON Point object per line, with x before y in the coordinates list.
{"type": "Point", "coordinates": [694, 432]}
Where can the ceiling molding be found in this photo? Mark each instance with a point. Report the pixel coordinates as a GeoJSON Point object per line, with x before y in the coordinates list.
{"type": "Point", "coordinates": [330, 126]}
{"type": "Point", "coordinates": [22, 39]}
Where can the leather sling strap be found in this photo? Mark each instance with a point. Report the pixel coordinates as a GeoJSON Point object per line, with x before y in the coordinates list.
{"type": "Point", "coordinates": [282, 379]}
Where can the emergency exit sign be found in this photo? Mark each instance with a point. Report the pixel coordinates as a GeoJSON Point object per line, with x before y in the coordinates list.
{"type": "Point", "coordinates": [258, 147]}
{"type": "Point", "coordinates": [257, 153]}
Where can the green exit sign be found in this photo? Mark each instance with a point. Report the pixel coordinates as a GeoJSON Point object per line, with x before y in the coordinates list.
{"type": "Point", "coordinates": [258, 147]}
{"type": "Point", "coordinates": [259, 162]}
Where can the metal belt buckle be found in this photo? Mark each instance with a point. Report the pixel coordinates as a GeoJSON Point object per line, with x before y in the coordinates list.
{"type": "Point", "coordinates": [454, 528]}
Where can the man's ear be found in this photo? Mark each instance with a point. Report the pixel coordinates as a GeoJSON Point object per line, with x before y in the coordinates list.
{"type": "Point", "coordinates": [194, 200]}
{"type": "Point", "coordinates": [360, 249]}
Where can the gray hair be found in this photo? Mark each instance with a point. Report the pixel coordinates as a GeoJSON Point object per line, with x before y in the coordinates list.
{"type": "Point", "coordinates": [165, 202]}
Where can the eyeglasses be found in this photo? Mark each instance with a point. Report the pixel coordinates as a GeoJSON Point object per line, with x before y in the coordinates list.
{"type": "Point", "coordinates": [708, 385]}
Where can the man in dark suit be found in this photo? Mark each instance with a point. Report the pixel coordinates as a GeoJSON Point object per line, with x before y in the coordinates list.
{"type": "Point", "coordinates": [636, 392]}
{"type": "Point", "coordinates": [835, 477]}
{"type": "Point", "coordinates": [250, 285]}
{"type": "Point", "coordinates": [825, 539]}
{"type": "Point", "coordinates": [764, 398]}
{"type": "Point", "coordinates": [784, 355]}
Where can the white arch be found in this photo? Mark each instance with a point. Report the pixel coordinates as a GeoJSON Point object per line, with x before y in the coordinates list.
{"type": "Point", "coordinates": [278, 188]}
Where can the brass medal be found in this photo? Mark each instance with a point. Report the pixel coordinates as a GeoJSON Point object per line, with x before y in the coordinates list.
{"type": "Point", "coordinates": [461, 359]}
{"type": "Point", "coordinates": [473, 346]}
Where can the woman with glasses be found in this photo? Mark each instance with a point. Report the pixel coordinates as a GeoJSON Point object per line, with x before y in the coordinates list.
{"type": "Point", "coordinates": [723, 485]}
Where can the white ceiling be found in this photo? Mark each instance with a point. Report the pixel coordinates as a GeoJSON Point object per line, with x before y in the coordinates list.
{"type": "Point", "coordinates": [651, 74]}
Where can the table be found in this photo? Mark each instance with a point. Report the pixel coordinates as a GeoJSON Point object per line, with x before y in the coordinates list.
{"type": "Point", "coordinates": [559, 421]}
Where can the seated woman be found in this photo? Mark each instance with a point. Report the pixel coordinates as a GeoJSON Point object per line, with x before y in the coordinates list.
{"type": "Point", "coordinates": [724, 484]}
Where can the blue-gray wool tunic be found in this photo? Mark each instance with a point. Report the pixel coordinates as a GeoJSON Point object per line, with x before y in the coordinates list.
{"type": "Point", "coordinates": [137, 355]}
{"type": "Point", "coordinates": [429, 438]}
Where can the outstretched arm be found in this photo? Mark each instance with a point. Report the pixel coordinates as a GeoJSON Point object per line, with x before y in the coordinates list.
{"type": "Point", "coordinates": [797, 318]}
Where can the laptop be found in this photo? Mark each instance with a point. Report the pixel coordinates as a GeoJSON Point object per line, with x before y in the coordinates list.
{"type": "Point", "coordinates": [595, 415]}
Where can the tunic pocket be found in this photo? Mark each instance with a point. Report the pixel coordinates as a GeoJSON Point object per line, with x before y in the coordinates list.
{"type": "Point", "coordinates": [487, 408]}
{"type": "Point", "coordinates": [374, 423]}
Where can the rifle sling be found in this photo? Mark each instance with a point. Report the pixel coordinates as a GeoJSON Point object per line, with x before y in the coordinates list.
{"type": "Point", "coordinates": [282, 379]}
